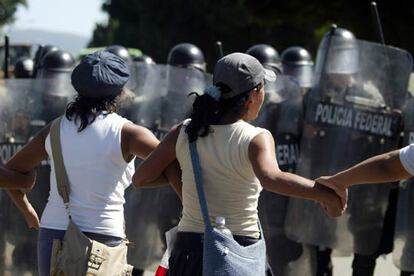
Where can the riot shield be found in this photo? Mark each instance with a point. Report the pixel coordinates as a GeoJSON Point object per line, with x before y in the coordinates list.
{"type": "Point", "coordinates": [25, 108]}
{"type": "Point", "coordinates": [350, 115]}
{"type": "Point", "coordinates": [403, 253]}
{"type": "Point", "coordinates": [162, 102]}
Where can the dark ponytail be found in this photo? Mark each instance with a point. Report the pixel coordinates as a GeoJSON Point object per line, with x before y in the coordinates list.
{"type": "Point", "coordinates": [85, 110]}
{"type": "Point", "coordinates": [209, 111]}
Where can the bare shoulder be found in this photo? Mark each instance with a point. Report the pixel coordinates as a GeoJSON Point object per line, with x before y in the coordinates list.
{"type": "Point", "coordinates": [131, 129]}
{"type": "Point", "coordinates": [261, 141]}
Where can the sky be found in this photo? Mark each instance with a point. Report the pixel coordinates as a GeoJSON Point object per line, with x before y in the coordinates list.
{"type": "Point", "coordinates": [69, 16]}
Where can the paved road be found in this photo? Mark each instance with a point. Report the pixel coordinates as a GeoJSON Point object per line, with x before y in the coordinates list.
{"type": "Point", "coordinates": [385, 267]}
{"type": "Point", "coordinates": [342, 267]}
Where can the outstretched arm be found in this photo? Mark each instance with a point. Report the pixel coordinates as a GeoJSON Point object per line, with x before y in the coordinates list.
{"type": "Point", "coordinates": [263, 158]}
{"type": "Point", "coordinates": [387, 167]}
{"type": "Point", "coordinates": [25, 161]}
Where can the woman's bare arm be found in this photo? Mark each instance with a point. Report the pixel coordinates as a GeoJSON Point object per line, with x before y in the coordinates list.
{"type": "Point", "coordinates": [263, 158]}
{"type": "Point", "coordinates": [25, 161]}
{"type": "Point", "coordinates": [161, 161]}
{"type": "Point", "coordinates": [10, 179]}
{"type": "Point", "coordinates": [385, 167]}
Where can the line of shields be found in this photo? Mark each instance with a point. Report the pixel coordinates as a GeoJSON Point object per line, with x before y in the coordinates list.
{"type": "Point", "coordinates": [333, 127]}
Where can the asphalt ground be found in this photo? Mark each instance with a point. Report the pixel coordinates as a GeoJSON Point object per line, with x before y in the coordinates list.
{"type": "Point", "coordinates": [342, 267]}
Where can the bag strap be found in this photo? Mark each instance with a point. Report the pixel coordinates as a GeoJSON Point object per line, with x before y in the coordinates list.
{"type": "Point", "coordinates": [195, 160]}
{"type": "Point", "coordinates": [62, 180]}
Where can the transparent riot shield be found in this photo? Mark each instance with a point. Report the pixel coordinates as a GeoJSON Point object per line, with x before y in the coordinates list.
{"type": "Point", "coordinates": [351, 114]}
{"type": "Point", "coordinates": [403, 253]}
{"type": "Point", "coordinates": [25, 108]}
{"type": "Point", "coordinates": [161, 102]}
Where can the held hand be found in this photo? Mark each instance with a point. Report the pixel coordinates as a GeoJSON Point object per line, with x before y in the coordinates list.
{"type": "Point", "coordinates": [330, 201]}
{"type": "Point", "coordinates": [31, 218]}
{"type": "Point", "coordinates": [339, 188]}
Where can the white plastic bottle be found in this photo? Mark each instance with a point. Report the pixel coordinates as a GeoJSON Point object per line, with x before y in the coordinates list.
{"type": "Point", "coordinates": [221, 226]}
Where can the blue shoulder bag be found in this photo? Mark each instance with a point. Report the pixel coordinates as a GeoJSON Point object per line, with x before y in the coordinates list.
{"type": "Point", "coordinates": [222, 255]}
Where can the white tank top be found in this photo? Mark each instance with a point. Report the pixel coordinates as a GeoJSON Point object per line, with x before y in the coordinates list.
{"type": "Point", "coordinates": [231, 187]}
{"type": "Point", "coordinates": [98, 176]}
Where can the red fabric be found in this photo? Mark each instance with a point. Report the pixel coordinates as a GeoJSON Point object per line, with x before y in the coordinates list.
{"type": "Point", "coordinates": [161, 271]}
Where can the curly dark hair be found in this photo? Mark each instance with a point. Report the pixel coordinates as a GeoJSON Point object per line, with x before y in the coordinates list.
{"type": "Point", "coordinates": [85, 110]}
{"type": "Point", "coordinates": [208, 111]}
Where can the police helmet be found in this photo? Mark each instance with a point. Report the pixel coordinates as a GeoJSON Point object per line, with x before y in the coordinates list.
{"type": "Point", "coordinates": [120, 51]}
{"type": "Point", "coordinates": [338, 53]}
{"type": "Point", "coordinates": [187, 55]}
{"type": "Point", "coordinates": [144, 58]}
{"type": "Point", "coordinates": [42, 51]}
{"type": "Point", "coordinates": [297, 63]}
{"type": "Point", "coordinates": [267, 55]}
{"type": "Point", "coordinates": [296, 55]}
{"type": "Point", "coordinates": [23, 68]}
{"type": "Point", "coordinates": [57, 61]}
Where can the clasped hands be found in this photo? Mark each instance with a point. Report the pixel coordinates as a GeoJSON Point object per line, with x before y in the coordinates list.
{"type": "Point", "coordinates": [334, 195]}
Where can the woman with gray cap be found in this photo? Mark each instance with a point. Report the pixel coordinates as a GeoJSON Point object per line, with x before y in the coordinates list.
{"type": "Point", "coordinates": [98, 149]}
{"type": "Point", "coordinates": [237, 161]}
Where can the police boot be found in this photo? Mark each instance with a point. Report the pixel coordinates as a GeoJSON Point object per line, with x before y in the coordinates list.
{"type": "Point", "coordinates": [324, 261]}
{"type": "Point", "coordinates": [363, 265]}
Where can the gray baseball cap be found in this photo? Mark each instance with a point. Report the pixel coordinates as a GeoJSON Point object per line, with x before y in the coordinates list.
{"type": "Point", "coordinates": [241, 73]}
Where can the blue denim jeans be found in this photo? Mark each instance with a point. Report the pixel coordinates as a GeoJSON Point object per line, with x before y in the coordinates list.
{"type": "Point", "coordinates": [45, 243]}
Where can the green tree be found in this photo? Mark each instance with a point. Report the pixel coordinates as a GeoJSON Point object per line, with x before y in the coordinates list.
{"type": "Point", "coordinates": [7, 10]}
{"type": "Point", "coordinates": [155, 26]}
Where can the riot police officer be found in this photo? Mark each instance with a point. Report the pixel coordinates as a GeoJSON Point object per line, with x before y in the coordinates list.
{"type": "Point", "coordinates": [40, 100]}
{"type": "Point", "coordinates": [297, 62]}
{"type": "Point", "coordinates": [349, 116]}
{"type": "Point", "coordinates": [164, 103]}
{"type": "Point", "coordinates": [282, 115]}
{"type": "Point", "coordinates": [185, 74]}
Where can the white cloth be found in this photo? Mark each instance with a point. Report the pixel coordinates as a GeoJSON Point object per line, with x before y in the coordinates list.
{"type": "Point", "coordinates": [231, 187]}
{"type": "Point", "coordinates": [407, 158]}
{"type": "Point", "coordinates": [98, 176]}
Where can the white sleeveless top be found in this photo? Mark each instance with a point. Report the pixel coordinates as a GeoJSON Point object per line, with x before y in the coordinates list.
{"type": "Point", "coordinates": [231, 187]}
{"type": "Point", "coordinates": [98, 176]}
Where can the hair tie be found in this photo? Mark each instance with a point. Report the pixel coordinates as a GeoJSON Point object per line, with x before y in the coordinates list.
{"type": "Point", "coordinates": [213, 91]}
